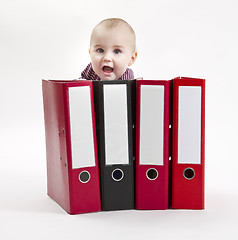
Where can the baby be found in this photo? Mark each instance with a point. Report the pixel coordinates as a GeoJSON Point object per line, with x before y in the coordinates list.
{"type": "Point", "coordinates": [112, 50]}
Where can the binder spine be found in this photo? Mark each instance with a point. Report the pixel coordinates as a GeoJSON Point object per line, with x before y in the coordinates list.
{"type": "Point", "coordinates": [188, 143]}
{"type": "Point", "coordinates": [152, 144]}
{"type": "Point", "coordinates": [82, 148]}
{"type": "Point", "coordinates": [116, 169]}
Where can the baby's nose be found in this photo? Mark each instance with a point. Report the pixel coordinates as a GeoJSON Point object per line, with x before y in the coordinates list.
{"type": "Point", "coordinates": [107, 57]}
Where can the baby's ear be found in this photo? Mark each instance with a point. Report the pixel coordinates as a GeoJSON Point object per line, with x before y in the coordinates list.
{"type": "Point", "coordinates": [133, 58]}
{"type": "Point", "coordinates": [89, 50]}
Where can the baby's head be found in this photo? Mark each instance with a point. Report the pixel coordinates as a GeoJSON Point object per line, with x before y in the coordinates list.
{"type": "Point", "coordinates": [112, 48]}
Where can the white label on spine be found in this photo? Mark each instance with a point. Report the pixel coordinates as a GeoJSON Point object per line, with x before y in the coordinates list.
{"type": "Point", "coordinates": [116, 124]}
{"type": "Point", "coordinates": [152, 125]}
{"type": "Point", "coordinates": [81, 128]}
{"type": "Point", "coordinates": [189, 125]}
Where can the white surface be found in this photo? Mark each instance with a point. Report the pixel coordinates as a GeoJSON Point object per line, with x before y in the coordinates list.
{"type": "Point", "coordinates": [81, 127]}
{"type": "Point", "coordinates": [189, 125]}
{"type": "Point", "coordinates": [49, 39]}
{"type": "Point", "coordinates": [152, 125]}
{"type": "Point", "coordinates": [115, 124]}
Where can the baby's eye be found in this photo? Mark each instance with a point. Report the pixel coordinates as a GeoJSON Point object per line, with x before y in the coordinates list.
{"type": "Point", "coordinates": [117, 51]}
{"type": "Point", "coordinates": [100, 50]}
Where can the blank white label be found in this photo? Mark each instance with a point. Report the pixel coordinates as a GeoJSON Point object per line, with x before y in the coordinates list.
{"type": "Point", "coordinates": [81, 128]}
{"type": "Point", "coordinates": [189, 125]}
{"type": "Point", "coordinates": [152, 125]}
{"type": "Point", "coordinates": [116, 124]}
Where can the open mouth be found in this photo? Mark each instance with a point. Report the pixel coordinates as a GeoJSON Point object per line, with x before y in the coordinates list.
{"type": "Point", "coordinates": [107, 69]}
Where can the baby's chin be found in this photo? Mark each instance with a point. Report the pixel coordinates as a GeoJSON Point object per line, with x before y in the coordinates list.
{"type": "Point", "coordinates": [108, 78]}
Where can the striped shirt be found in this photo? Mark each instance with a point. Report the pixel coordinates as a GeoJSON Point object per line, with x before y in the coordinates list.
{"type": "Point", "coordinates": [89, 74]}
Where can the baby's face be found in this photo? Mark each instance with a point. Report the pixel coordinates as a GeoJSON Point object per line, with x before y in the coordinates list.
{"type": "Point", "coordinates": [111, 51]}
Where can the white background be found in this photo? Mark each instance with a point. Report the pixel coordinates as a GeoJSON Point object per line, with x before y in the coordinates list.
{"type": "Point", "coordinates": [49, 39]}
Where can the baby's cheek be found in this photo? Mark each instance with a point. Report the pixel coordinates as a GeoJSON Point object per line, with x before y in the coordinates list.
{"type": "Point", "coordinates": [122, 68]}
{"type": "Point", "coordinates": [95, 58]}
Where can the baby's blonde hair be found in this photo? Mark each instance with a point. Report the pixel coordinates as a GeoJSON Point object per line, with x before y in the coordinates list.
{"type": "Point", "coordinates": [111, 23]}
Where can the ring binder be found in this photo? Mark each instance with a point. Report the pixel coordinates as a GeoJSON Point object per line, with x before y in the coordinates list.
{"type": "Point", "coordinates": [71, 147]}
{"type": "Point", "coordinates": [188, 143]}
{"type": "Point", "coordinates": [152, 143]}
{"type": "Point", "coordinates": [114, 132]}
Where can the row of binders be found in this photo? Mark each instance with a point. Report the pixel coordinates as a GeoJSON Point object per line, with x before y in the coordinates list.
{"type": "Point", "coordinates": [126, 144]}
